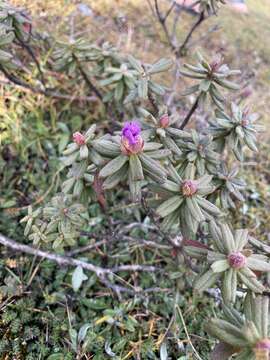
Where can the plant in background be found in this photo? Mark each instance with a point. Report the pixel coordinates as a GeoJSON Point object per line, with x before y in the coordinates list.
{"type": "Point", "coordinates": [59, 222]}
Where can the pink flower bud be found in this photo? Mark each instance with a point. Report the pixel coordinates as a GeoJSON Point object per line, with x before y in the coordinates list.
{"type": "Point", "coordinates": [216, 63]}
{"type": "Point", "coordinates": [245, 122]}
{"type": "Point", "coordinates": [27, 27]}
{"type": "Point", "coordinates": [128, 148]}
{"type": "Point", "coordinates": [263, 344]}
{"type": "Point", "coordinates": [237, 260]}
{"type": "Point", "coordinates": [246, 93]}
{"type": "Point", "coordinates": [164, 121]}
{"type": "Point", "coordinates": [189, 187]}
{"type": "Point", "coordinates": [78, 138]}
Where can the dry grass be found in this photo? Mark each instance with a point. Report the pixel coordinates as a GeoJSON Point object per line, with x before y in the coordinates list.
{"type": "Point", "coordinates": [130, 24]}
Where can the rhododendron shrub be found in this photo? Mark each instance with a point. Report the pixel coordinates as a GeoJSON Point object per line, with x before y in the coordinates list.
{"type": "Point", "coordinates": [151, 153]}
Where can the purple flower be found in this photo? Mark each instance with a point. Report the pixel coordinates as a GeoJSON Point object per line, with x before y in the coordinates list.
{"type": "Point", "coordinates": [131, 132]}
{"type": "Point", "coordinates": [131, 142]}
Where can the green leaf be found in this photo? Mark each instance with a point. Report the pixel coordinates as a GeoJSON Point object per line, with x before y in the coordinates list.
{"type": "Point", "coordinates": [7, 38]}
{"type": "Point", "coordinates": [163, 351]}
{"type": "Point", "coordinates": [205, 281]}
{"type": "Point", "coordinates": [241, 238]}
{"type": "Point", "coordinates": [220, 265]}
{"type": "Point", "coordinates": [78, 188]}
{"type": "Point", "coordinates": [190, 90]}
{"type": "Point", "coordinates": [111, 181]}
{"type": "Point", "coordinates": [135, 189]}
{"type": "Point", "coordinates": [156, 88]}
{"type": "Point", "coordinates": [171, 145]}
{"type": "Point", "coordinates": [256, 264]}
{"type": "Point", "coordinates": [106, 147]}
{"type": "Point", "coordinates": [73, 338]}
{"type": "Point", "coordinates": [204, 85]}
{"type": "Point", "coordinates": [226, 332]}
{"type": "Point", "coordinates": [170, 205]}
{"type": "Point", "coordinates": [135, 168]}
{"type": "Point", "coordinates": [119, 91]}
{"type": "Point", "coordinates": [159, 154]}
{"type": "Point", "coordinates": [194, 209]}
{"type": "Point", "coordinates": [78, 277]}
{"type": "Point", "coordinates": [153, 167]}
{"type": "Point", "coordinates": [83, 331]}
{"type": "Point", "coordinates": [160, 66]}
{"type": "Point", "coordinates": [171, 186]}
{"type": "Point", "coordinates": [249, 278]}
{"type": "Point", "coordinates": [136, 64]}
{"type": "Point", "coordinates": [208, 206]}
{"type": "Point", "coordinates": [143, 88]}
{"type": "Point", "coordinates": [5, 56]}
{"type": "Point", "coordinates": [83, 152]}
{"type": "Point", "coordinates": [228, 238]}
{"type": "Point", "coordinates": [227, 84]}
{"type": "Point", "coordinates": [229, 286]}
{"type": "Point", "coordinates": [113, 166]}
{"type": "Point", "coordinates": [58, 356]}
{"type": "Point", "coordinates": [150, 146]}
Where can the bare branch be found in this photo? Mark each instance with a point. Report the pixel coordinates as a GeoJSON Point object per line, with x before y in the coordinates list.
{"type": "Point", "coordinates": [87, 80]}
{"type": "Point", "coordinates": [33, 56]}
{"type": "Point", "coordinates": [65, 260]}
{"type": "Point", "coordinates": [190, 113]}
{"type": "Point", "coordinates": [182, 48]}
{"type": "Point", "coordinates": [46, 92]}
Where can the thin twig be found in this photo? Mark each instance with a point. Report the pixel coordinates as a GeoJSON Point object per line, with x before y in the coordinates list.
{"type": "Point", "coordinates": [65, 261]}
{"type": "Point", "coordinates": [190, 113]}
{"type": "Point", "coordinates": [46, 92]}
{"type": "Point", "coordinates": [180, 50]}
{"type": "Point", "coordinates": [87, 80]}
{"type": "Point", "coordinates": [86, 248]}
{"type": "Point", "coordinates": [169, 11]}
{"type": "Point", "coordinates": [33, 56]}
{"type": "Point", "coordinates": [154, 104]}
{"type": "Point", "coordinates": [162, 21]}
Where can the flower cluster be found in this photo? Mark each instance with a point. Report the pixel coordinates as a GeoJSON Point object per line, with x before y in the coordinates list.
{"type": "Point", "coordinates": [212, 76]}
{"type": "Point", "coordinates": [233, 261]}
{"type": "Point", "coordinates": [133, 158]}
{"type": "Point", "coordinates": [184, 202]}
{"type": "Point", "coordinates": [236, 129]}
{"type": "Point", "coordinates": [199, 150]}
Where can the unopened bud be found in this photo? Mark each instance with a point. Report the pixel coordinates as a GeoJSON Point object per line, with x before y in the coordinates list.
{"type": "Point", "coordinates": [237, 260]}
{"type": "Point", "coordinates": [263, 344]}
{"type": "Point", "coordinates": [189, 187]}
{"type": "Point", "coordinates": [164, 121]}
{"type": "Point", "coordinates": [78, 138]}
